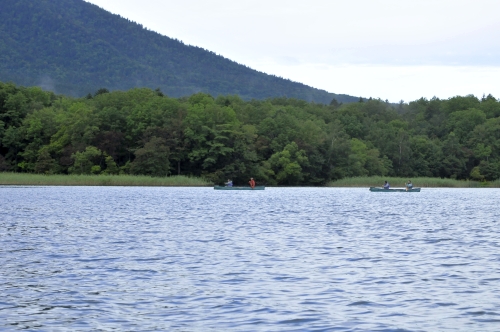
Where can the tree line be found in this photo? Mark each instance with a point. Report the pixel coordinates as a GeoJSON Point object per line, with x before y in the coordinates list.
{"type": "Point", "coordinates": [281, 141]}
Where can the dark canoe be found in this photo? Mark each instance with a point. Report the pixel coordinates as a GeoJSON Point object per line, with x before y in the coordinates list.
{"type": "Point", "coordinates": [239, 188]}
{"type": "Point", "coordinates": [413, 190]}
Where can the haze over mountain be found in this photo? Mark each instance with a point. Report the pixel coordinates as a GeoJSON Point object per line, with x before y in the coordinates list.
{"type": "Point", "coordinates": [75, 48]}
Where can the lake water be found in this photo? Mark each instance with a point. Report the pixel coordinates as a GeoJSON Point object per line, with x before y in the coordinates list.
{"type": "Point", "coordinates": [283, 259]}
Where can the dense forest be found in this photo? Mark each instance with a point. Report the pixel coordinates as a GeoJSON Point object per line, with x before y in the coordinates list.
{"type": "Point", "coordinates": [73, 47]}
{"type": "Point", "coordinates": [278, 141]}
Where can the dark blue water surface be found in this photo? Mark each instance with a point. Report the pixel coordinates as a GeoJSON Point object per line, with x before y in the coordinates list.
{"type": "Point", "coordinates": [283, 259]}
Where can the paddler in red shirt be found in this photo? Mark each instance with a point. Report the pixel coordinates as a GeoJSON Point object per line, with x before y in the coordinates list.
{"type": "Point", "coordinates": [252, 183]}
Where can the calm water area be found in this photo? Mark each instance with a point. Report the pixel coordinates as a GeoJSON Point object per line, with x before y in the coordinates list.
{"type": "Point", "coordinates": [282, 259]}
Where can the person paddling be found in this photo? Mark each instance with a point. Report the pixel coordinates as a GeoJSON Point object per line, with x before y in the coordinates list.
{"type": "Point", "coordinates": [252, 183]}
{"type": "Point", "coordinates": [409, 185]}
{"type": "Point", "coordinates": [229, 183]}
{"type": "Point", "coordinates": [386, 185]}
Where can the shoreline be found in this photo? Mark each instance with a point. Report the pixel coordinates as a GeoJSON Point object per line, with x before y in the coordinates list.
{"type": "Point", "coordinates": [29, 179]}
{"type": "Point", "coordinates": [418, 182]}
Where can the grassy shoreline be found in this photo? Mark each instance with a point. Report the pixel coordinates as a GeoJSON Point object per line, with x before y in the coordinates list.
{"type": "Point", "coordinates": [25, 179]}
{"type": "Point", "coordinates": [422, 182]}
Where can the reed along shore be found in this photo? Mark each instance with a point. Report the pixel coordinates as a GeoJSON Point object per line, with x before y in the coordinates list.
{"type": "Point", "coordinates": [26, 179]}
{"type": "Point", "coordinates": [420, 182]}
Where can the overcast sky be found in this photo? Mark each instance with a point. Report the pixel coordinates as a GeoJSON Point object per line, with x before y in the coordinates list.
{"type": "Point", "coordinates": [388, 49]}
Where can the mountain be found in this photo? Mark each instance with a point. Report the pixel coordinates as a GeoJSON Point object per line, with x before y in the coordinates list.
{"type": "Point", "coordinates": [73, 47]}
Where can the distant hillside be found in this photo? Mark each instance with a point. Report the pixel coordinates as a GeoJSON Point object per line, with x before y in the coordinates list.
{"type": "Point", "coordinates": [74, 47]}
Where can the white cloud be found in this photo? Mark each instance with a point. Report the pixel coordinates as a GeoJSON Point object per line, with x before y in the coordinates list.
{"type": "Point", "coordinates": [394, 83]}
{"type": "Point", "coordinates": [364, 41]}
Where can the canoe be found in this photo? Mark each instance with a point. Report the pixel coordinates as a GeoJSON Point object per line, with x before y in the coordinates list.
{"type": "Point", "coordinates": [413, 190]}
{"type": "Point", "coordinates": [239, 188]}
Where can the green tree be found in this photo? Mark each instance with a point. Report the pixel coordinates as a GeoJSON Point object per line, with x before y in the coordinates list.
{"type": "Point", "coordinates": [336, 147]}
{"type": "Point", "coordinates": [485, 138]}
{"type": "Point", "coordinates": [454, 164]}
{"type": "Point", "coordinates": [425, 157]}
{"type": "Point", "coordinates": [464, 122]}
{"type": "Point", "coordinates": [490, 106]}
{"type": "Point", "coordinates": [476, 175]}
{"type": "Point", "coordinates": [364, 161]}
{"type": "Point", "coordinates": [152, 159]}
{"type": "Point", "coordinates": [482, 152]}
{"type": "Point", "coordinates": [208, 127]}
{"type": "Point", "coordinates": [45, 164]}
{"type": "Point", "coordinates": [488, 170]}
{"type": "Point", "coordinates": [351, 118]}
{"type": "Point", "coordinates": [460, 103]}
{"type": "Point", "coordinates": [111, 167]}
{"type": "Point", "coordinates": [287, 165]}
{"type": "Point", "coordinates": [85, 161]}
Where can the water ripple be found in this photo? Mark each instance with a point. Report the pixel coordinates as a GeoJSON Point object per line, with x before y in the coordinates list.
{"type": "Point", "coordinates": [195, 259]}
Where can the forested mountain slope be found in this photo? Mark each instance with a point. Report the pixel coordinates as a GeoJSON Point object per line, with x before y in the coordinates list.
{"type": "Point", "coordinates": [73, 47]}
{"type": "Point", "coordinates": [278, 141]}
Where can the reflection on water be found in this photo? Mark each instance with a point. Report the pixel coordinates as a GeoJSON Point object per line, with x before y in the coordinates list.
{"type": "Point", "coordinates": [295, 259]}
